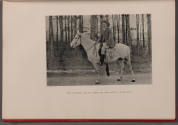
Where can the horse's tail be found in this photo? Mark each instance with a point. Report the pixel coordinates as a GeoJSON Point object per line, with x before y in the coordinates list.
{"type": "Point", "coordinates": [107, 69]}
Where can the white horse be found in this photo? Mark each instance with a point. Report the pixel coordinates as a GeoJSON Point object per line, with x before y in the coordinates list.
{"type": "Point", "coordinates": [119, 53]}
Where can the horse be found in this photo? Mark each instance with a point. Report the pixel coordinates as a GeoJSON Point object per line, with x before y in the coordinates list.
{"type": "Point", "coordinates": [120, 52]}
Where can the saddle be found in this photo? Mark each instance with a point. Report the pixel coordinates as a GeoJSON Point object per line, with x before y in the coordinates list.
{"type": "Point", "coordinates": [109, 54]}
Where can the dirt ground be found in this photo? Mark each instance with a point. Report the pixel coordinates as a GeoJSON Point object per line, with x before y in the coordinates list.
{"type": "Point", "coordinates": [88, 77]}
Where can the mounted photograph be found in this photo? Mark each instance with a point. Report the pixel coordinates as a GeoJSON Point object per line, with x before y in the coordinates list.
{"type": "Point", "coordinates": [89, 61]}
{"type": "Point", "coordinates": [99, 49]}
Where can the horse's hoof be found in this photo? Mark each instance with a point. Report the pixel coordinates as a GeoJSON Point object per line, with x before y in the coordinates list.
{"type": "Point", "coordinates": [118, 79]}
{"type": "Point", "coordinates": [133, 80]}
{"type": "Point", "coordinates": [97, 82]}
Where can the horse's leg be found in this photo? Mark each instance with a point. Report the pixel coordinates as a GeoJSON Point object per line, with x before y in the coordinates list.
{"type": "Point", "coordinates": [97, 70]}
{"type": "Point", "coordinates": [131, 70]}
{"type": "Point", "coordinates": [121, 62]}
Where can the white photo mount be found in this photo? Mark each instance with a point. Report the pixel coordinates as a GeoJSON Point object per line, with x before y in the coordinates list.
{"type": "Point", "coordinates": [26, 95]}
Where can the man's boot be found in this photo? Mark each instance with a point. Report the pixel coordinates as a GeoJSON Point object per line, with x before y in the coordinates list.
{"type": "Point", "coordinates": [102, 57]}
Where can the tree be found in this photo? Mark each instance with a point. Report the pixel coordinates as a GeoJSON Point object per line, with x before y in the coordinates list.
{"type": "Point", "coordinates": [66, 38]}
{"type": "Point", "coordinates": [118, 27]}
{"type": "Point", "coordinates": [81, 23]}
{"type": "Point", "coordinates": [75, 25]}
{"type": "Point", "coordinates": [143, 31]}
{"type": "Point", "coordinates": [94, 27]}
{"type": "Point", "coordinates": [149, 33]}
{"type": "Point", "coordinates": [71, 27]}
{"type": "Point", "coordinates": [138, 38]}
{"type": "Point", "coordinates": [57, 30]}
{"type": "Point", "coordinates": [51, 37]}
{"type": "Point", "coordinates": [61, 28]}
{"type": "Point", "coordinates": [107, 18]}
{"type": "Point", "coordinates": [68, 28]}
{"type": "Point", "coordinates": [126, 30]}
{"type": "Point", "coordinates": [123, 29]}
{"type": "Point", "coordinates": [114, 28]}
{"type": "Point", "coordinates": [128, 35]}
{"type": "Point", "coordinates": [99, 26]}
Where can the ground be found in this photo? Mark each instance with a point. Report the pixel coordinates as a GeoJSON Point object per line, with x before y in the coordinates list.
{"type": "Point", "coordinates": [88, 77]}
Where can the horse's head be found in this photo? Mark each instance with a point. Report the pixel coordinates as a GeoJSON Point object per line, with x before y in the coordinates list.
{"type": "Point", "coordinates": [76, 41]}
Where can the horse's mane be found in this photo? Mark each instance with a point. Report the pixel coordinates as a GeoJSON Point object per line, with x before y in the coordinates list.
{"type": "Point", "coordinates": [87, 38]}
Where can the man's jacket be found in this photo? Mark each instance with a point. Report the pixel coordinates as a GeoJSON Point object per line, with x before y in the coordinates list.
{"type": "Point", "coordinates": [107, 37]}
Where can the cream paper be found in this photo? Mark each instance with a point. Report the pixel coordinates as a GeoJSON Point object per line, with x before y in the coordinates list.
{"type": "Point", "coordinates": [25, 91]}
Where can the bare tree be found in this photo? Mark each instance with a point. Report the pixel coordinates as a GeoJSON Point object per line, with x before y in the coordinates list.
{"type": "Point", "coordinates": [143, 31]}
{"type": "Point", "coordinates": [94, 27]}
{"type": "Point", "coordinates": [57, 30]}
{"type": "Point", "coordinates": [118, 27]}
{"type": "Point", "coordinates": [107, 18]}
{"type": "Point", "coordinates": [129, 39]}
{"type": "Point", "coordinates": [101, 19]}
{"type": "Point", "coordinates": [114, 28]}
{"type": "Point", "coordinates": [51, 36]}
{"type": "Point", "coordinates": [71, 27]}
{"type": "Point", "coordinates": [75, 25]}
{"type": "Point", "coordinates": [138, 36]}
{"type": "Point", "coordinates": [81, 23]}
{"type": "Point", "coordinates": [61, 28]}
{"type": "Point", "coordinates": [68, 29]}
{"type": "Point", "coordinates": [99, 26]}
{"type": "Point", "coordinates": [149, 33]}
{"type": "Point", "coordinates": [123, 29]}
{"type": "Point", "coordinates": [126, 30]}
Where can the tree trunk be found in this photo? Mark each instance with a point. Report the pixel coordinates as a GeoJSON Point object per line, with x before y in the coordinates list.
{"type": "Point", "coordinates": [118, 27]}
{"type": "Point", "coordinates": [57, 31]}
{"type": "Point", "coordinates": [61, 28]}
{"type": "Point", "coordinates": [94, 27]}
{"type": "Point", "coordinates": [129, 40]}
{"type": "Point", "coordinates": [81, 24]}
{"type": "Point", "coordinates": [138, 39]}
{"type": "Point", "coordinates": [98, 27]}
{"type": "Point", "coordinates": [126, 30]}
{"type": "Point", "coordinates": [143, 31]}
{"type": "Point", "coordinates": [51, 36]}
{"type": "Point", "coordinates": [75, 25]}
{"type": "Point", "coordinates": [62, 41]}
{"type": "Point", "coordinates": [65, 29]}
{"type": "Point", "coordinates": [114, 28]}
{"type": "Point", "coordinates": [68, 29]}
{"type": "Point", "coordinates": [71, 27]}
{"type": "Point", "coordinates": [107, 18]}
{"type": "Point", "coordinates": [123, 29]}
{"type": "Point", "coordinates": [149, 34]}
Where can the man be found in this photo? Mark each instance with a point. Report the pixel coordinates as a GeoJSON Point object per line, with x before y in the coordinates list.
{"type": "Point", "coordinates": [106, 40]}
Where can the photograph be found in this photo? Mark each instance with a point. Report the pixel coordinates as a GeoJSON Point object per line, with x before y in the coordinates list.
{"type": "Point", "coordinates": [113, 49]}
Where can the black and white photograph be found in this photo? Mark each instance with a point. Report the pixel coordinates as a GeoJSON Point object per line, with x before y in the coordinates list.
{"type": "Point", "coordinates": [63, 59]}
{"type": "Point", "coordinates": [101, 49]}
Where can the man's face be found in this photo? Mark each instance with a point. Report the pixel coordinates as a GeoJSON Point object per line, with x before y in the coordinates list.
{"type": "Point", "coordinates": [104, 26]}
